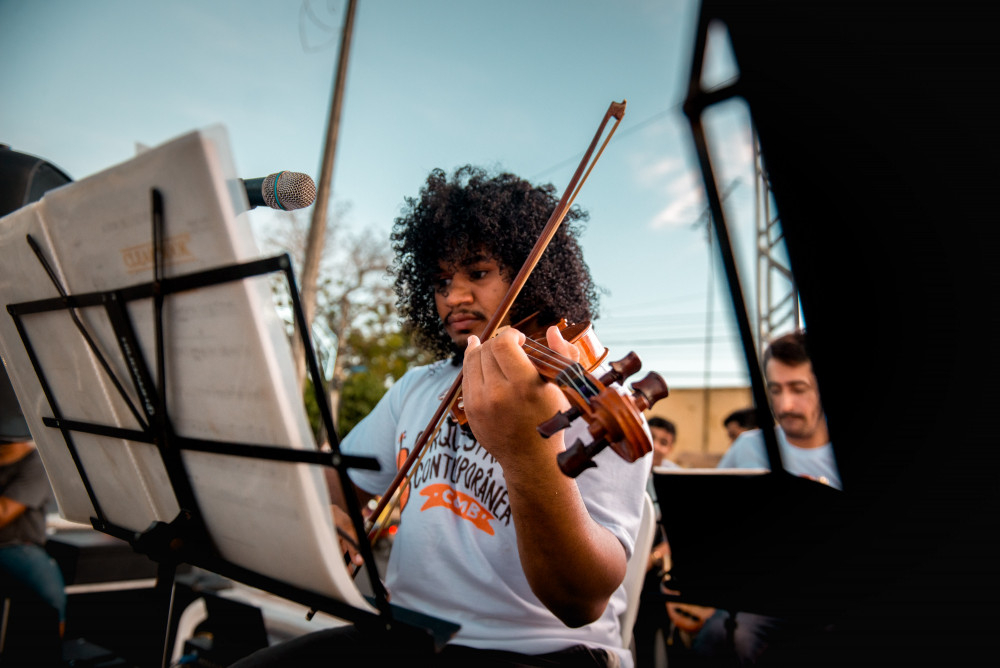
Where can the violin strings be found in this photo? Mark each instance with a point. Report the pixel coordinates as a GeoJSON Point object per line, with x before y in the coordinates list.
{"type": "Point", "coordinates": [579, 381]}
{"type": "Point", "coordinates": [573, 372]}
{"type": "Point", "coordinates": [545, 354]}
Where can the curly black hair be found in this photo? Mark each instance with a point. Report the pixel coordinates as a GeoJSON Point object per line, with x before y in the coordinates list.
{"type": "Point", "coordinates": [501, 216]}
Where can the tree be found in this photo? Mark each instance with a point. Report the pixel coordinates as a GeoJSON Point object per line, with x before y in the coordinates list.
{"type": "Point", "coordinates": [377, 357]}
{"type": "Point", "coordinates": [359, 341]}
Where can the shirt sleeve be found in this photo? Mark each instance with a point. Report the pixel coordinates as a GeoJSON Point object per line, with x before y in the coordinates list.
{"type": "Point", "coordinates": [614, 491]}
{"type": "Point", "coordinates": [30, 487]}
{"type": "Point", "coordinates": [375, 436]}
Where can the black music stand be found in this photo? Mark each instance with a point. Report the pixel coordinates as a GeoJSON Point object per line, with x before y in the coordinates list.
{"type": "Point", "coordinates": [186, 539]}
{"type": "Point", "coordinates": [752, 541]}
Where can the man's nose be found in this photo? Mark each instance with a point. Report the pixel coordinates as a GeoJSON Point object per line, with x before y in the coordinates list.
{"type": "Point", "coordinates": [459, 292]}
{"type": "Point", "coordinates": [782, 402]}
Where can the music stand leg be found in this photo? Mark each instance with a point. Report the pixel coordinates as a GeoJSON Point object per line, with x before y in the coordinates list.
{"type": "Point", "coordinates": [164, 592]}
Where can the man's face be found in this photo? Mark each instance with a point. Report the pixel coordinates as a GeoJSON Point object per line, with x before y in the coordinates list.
{"type": "Point", "coordinates": [467, 294]}
{"type": "Point", "coordinates": [663, 443]}
{"type": "Point", "coordinates": [795, 398]}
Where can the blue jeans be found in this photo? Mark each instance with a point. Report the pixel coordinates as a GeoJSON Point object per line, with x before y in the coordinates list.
{"type": "Point", "coordinates": [754, 638]}
{"type": "Point", "coordinates": [27, 569]}
{"type": "Point", "coordinates": [750, 638]}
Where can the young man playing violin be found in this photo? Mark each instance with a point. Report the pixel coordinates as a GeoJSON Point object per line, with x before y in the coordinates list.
{"type": "Point", "coordinates": [492, 534]}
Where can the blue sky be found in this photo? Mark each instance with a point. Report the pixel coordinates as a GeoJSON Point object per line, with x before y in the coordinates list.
{"type": "Point", "coordinates": [520, 85]}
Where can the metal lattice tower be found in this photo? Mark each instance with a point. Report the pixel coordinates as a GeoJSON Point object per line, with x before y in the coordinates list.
{"type": "Point", "coordinates": [777, 296]}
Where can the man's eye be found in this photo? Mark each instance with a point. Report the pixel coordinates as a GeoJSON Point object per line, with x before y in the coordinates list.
{"type": "Point", "coordinates": [442, 284]}
{"type": "Point", "coordinates": [478, 274]}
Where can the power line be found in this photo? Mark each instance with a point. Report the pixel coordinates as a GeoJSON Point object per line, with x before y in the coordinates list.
{"type": "Point", "coordinates": [680, 341]}
{"type": "Point", "coordinates": [648, 317]}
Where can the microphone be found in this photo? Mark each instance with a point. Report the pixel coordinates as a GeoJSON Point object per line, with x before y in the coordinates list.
{"type": "Point", "coordinates": [284, 190]}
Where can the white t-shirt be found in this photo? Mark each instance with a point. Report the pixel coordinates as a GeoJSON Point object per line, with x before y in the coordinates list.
{"type": "Point", "coordinates": [748, 452]}
{"type": "Point", "coordinates": [455, 555]}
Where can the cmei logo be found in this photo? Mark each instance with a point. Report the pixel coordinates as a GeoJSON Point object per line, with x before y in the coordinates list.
{"type": "Point", "coordinates": [461, 504]}
{"type": "Point", "coordinates": [175, 251]}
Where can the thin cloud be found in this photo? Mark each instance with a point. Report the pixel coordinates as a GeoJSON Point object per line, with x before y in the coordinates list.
{"type": "Point", "coordinates": [687, 202]}
{"type": "Point", "coordinates": [651, 174]}
{"type": "Point", "coordinates": [732, 151]}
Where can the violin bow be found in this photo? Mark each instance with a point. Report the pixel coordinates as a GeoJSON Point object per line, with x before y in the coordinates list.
{"type": "Point", "coordinates": [615, 110]}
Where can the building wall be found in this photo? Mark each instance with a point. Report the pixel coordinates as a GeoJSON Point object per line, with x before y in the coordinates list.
{"type": "Point", "coordinates": [698, 416]}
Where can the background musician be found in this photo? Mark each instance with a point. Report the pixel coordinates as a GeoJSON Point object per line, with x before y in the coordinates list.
{"type": "Point", "coordinates": [804, 443]}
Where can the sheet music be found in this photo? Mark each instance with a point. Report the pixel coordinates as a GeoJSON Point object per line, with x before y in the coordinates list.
{"type": "Point", "coordinates": [229, 369]}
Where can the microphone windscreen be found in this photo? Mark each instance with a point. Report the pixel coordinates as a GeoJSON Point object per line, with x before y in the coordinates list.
{"type": "Point", "coordinates": [288, 190]}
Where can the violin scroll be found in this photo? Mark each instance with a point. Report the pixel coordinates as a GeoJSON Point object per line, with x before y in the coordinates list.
{"type": "Point", "coordinates": [620, 370]}
{"type": "Point", "coordinates": [613, 418]}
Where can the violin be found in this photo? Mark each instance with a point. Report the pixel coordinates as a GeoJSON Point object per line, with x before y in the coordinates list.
{"type": "Point", "coordinates": [613, 418]}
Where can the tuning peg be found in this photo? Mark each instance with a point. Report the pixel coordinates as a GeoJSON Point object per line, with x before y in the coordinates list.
{"type": "Point", "coordinates": [649, 390]}
{"type": "Point", "coordinates": [558, 422]}
{"type": "Point", "coordinates": [622, 369]}
{"type": "Point", "coordinates": [578, 457]}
